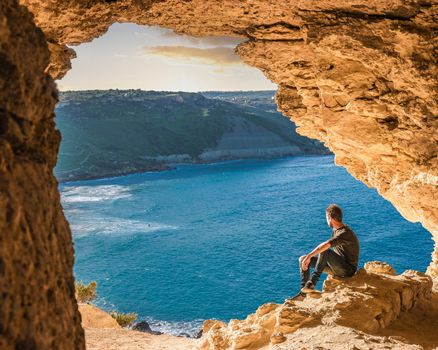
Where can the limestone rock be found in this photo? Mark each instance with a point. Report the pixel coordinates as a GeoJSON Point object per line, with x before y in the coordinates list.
{"type": "Point", "coordinates": [335, 337]}
{"type": "Point", "coordinates": [379, 268]}
{"type": "Point", "coordinates": [212, 324]}
{"type": "Point", "coordinates": [365, 302]}
{"type": "Point", "coordinates": [38, 309]}
{"type": "Point", "coordinates": [93, 317]}
{"type": "Point", "coordinates": [277, 338]}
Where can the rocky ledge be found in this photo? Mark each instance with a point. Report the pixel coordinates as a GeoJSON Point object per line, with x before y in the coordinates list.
{"type": "Point", "coordinates": [351, 310]}
{"type": "Point", "coordinates": [375, 309]}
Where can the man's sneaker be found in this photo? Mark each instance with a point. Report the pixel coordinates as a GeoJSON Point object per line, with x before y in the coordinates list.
{"type": "Point", "coordinates": [297, 297]}
{"type": "Point", "coordinates": [309, 287]}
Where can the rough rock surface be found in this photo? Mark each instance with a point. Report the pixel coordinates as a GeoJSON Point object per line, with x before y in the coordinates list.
{"type": "Point", "coordinates": [365, 302]}
{"type": "Point", "coordinates": [359, 75]}
{"type": "Point", "coordinates": [339, 338]}
{"type": "Point", "coordinates": [93, 317]}
{"type": "Point", "coordinates": [380, 268]}
{"type": "Point", "coordinates": [37, 297]}
{"type": "Point", "coordinates": [126, 339]}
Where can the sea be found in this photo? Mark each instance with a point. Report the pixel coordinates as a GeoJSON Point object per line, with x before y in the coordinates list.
{"type": "Point", "coordinates": [216, 241]}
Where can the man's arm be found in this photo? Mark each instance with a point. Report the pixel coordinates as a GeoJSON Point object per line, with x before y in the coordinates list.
{"type": "Point", "coordinates": [319, 249]}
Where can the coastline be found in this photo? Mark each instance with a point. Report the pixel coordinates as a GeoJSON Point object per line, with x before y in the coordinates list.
{"type": "Point", "coordinates": [175, 166]}
{"type": "Point", "coordinates": [103, 332]}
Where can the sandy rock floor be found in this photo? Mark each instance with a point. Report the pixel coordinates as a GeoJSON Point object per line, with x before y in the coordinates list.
{"type": "Point", "coordinates": [125, 339]}
{"type": "Point", "coordinates": [419, 326]}
{"type": "Point", "coordinates": [337, 338]}
{"type": "Point", "coordinates": [416, 329]}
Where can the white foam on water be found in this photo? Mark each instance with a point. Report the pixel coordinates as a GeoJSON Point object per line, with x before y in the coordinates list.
{"type": "Point", "coordinates": [84, 222]}
{"type": "Point", "coordinates": [175, 328]}
{"type": "Point", "coordinates": [77, 194]}
{"type": "Point", "coordinates": [114, 226]}
{"type": "Point", "coordinates": [104, 304]}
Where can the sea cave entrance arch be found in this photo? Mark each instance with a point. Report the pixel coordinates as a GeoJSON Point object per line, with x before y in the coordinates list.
{"type": "Point", "coordinates": [368, 97]}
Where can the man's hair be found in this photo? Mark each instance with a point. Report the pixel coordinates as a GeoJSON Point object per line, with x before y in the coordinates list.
{"type": "Point", "coordinates": [334, 212]}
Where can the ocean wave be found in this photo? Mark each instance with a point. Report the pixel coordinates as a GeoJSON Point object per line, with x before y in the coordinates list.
{"type": "Point", "coordinates": [175, 328]}
{"type": "Point", "coordinates": [114, 226]}
{"type": "Point", "coordinates": [78, 194]}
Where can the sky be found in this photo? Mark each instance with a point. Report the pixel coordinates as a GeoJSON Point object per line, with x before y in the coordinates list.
{"type": "Point", "coordinates": [130, 56]}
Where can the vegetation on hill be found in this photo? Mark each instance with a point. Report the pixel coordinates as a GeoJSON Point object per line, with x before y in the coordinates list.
{"type": "Point", "coordinates": [124, 319]}
{"type": "Point", "coordinates": [85, 292]}
{"type": "Point", "coordinates": [112, 132]}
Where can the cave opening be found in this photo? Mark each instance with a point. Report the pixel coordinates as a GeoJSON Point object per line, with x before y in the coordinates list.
{"type": "Point", "coordinates": [373, 105]}
{"type": "Point", "coordinates": [138, 233]}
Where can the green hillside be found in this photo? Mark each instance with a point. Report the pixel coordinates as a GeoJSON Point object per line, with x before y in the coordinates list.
{"type": "Point", "coordinates": [121, 131]}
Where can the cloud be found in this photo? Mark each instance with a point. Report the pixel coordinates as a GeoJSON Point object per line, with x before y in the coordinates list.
{"type": "Point", "coordinates": [169, 36]}
{"type": "Point", "coordinates": [205, 40]}
{"type": "Point", "coordinates": [221, 55]}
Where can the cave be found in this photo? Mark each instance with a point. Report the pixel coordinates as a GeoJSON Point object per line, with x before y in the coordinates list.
{"type": "Point", "coordinates": [359, 76]}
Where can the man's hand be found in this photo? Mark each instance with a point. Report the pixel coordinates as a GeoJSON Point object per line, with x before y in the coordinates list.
{"type": "Point", "coordinates": [305, 263]}
{"type": "Point", "coordinates": [319, 249]}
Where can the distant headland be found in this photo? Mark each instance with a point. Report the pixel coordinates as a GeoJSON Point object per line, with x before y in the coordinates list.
{"type": "Point", "coordinates": [116, 132]}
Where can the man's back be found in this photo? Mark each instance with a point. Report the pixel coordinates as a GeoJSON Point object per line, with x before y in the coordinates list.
{"type": "Point", "coordinates": [346, 244]}
{"type": "Point", "coordinates": [341, 260]}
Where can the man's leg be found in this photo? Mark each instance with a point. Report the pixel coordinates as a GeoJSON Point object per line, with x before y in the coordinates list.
{"type": "Point", "coordinates": [333, 263]}
{"type": "Point", "coordinates": [305, 275]}
{"type": "Point", "coordinates": [339, 265]}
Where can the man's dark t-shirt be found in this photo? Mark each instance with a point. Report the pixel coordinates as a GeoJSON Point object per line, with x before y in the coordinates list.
{"type": "Point", "coordinates": [345, 243]}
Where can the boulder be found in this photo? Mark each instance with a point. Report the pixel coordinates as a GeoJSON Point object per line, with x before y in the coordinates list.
{"type": "Point", "coordinates": [143, 326]}
{"type": "Point", "coordinates": [379, 268]}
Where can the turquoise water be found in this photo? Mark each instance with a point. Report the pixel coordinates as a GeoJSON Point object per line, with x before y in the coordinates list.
{"type": "Point", "coordinates": [218, 240]}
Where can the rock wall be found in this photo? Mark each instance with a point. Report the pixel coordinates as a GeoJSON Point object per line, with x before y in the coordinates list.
{"type": "Point", "coordinates": [37, 302]}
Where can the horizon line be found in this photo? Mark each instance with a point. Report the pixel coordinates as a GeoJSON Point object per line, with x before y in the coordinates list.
{"type": "Point", "coordinates": [116, 89]}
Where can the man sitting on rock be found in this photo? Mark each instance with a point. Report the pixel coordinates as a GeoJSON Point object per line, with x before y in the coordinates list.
{"type": "Point", "coordinates": [341, 261]}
